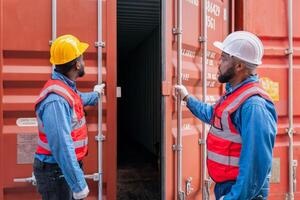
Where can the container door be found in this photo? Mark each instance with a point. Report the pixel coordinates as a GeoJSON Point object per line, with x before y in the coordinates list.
{"type": "Point", "coordinates": [269, 20]}
{"type": "Point", "coordinates": [218, 27]}
{"type": "Point", "coordinates": [25, 67]}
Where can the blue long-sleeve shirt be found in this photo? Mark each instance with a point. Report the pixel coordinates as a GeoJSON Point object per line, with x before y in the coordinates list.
{"type": "Point", "coordinates": [56, 115]}
{"type": "Point", "coordinates": [256, 121]}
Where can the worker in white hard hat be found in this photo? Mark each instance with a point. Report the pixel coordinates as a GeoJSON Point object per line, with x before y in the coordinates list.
{"type": "Point", "coordinates": [243, 122]}
{"type": "Point", "coordinates": [63, 136]}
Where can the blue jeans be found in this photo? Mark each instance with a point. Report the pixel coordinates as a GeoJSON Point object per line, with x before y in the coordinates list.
{"type": "Point", "coordinates": [50, 181]}
{"type": "Point", "coordinates": [223, 188]}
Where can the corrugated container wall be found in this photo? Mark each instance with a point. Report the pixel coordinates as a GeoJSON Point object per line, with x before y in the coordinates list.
{"type": "Point", "coordinates": [25, 36]}
{"type": "Point", "coordinates": [269, 20]}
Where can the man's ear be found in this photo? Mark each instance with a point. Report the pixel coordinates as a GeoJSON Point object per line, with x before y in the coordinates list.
{"type": "Point", "coordinates": [78, 65]}
{"type": "Point", "coordinates": [240, 66]}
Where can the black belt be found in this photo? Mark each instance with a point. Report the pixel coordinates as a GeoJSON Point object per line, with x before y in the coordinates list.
{"type": "Point", "coordinates": [46, 165]}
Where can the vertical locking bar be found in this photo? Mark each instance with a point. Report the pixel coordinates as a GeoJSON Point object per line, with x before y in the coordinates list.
{"type": "Point", "coordinates": [295, 164]}
{"type": "Point", "coordinates": [53, 23]}
{"type": "Point", "coordinates": [100, 141]}
{"type": "Point", "coordinates": [203, 41]}
{"type": "Point", "coordinates": [178, 32]}
{"type": "Point", "coordinates": [290, 104]}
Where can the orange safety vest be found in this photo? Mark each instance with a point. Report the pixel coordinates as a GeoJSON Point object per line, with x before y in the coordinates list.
{"type": "Point", "coordinates": [79, 129]}
{"type": "Point", "coordinates": [224, 142]}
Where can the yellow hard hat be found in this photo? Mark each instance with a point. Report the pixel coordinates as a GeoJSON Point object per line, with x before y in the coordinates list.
{"type": "Point", "coordinates": [65, 49]}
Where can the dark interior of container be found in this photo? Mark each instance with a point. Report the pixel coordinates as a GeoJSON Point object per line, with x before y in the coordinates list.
{"type": "Point", "coordinates": [139, 107]}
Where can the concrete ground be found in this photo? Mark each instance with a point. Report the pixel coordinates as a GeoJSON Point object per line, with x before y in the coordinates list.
{"type": "Point", "coordinates": [138, 174]}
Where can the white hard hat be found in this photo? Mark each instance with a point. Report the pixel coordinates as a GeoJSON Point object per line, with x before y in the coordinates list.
{"type": "Point", "coordinates": [243, 45]}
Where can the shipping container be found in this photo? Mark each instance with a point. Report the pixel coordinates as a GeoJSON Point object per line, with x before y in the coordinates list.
{"type": "Point", "coordinates": [269, 20]}
{"type": "Point", "coordinates": [140, 62]}
{"type": "Point", "coordinates": [27, 27]}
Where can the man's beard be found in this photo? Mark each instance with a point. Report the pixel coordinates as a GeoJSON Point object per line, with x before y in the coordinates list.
{"type": "Point", "coordinates": [227, 76]}
{"type": "Point", "coordinates": [81, 72]}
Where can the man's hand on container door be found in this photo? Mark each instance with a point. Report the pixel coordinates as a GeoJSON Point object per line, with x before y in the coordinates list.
{"type": "Point", "coordinates": [182, 91]}
{"type": "Point", "coordinates": [99, 88]}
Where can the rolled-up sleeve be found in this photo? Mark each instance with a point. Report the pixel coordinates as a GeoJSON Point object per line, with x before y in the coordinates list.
{"type": "Point", "coordinates": [56, 118]}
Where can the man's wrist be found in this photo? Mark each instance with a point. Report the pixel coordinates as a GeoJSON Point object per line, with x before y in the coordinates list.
{"type": "Point", "coordinates": [185, 98]}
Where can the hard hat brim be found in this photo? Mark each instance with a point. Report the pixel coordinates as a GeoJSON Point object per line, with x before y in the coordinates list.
{"type": "Point", "coordinates": [83, 47]}
{"type": "Point", "coordinates": [219, 45]}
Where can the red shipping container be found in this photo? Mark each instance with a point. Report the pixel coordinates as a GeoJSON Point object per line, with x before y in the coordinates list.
{"type": "Point", "coordinates": [140, 54]}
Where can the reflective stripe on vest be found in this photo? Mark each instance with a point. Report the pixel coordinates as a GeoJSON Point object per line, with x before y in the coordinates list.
{"type": "Point", "coordinates": [225, 160]}
{"type": "Point", "coordinates": [78, 121]}
{"type": "Point", "coordinates": [226, 134]}
{"type": "Point", "coordinates": [76, 124]}
{"type": "Point", "coordinates": [57, 88]}
{"type": "Point", "coordinates": [61, 90]}
{"type": "Point", "coordinates": [77, 144]}
{"type": "Point", "coordinates": [223, 139]}
{"type": "Point", "coordinates": [40, 124]}
{"type": "Point", "coordinates": [237, 102]}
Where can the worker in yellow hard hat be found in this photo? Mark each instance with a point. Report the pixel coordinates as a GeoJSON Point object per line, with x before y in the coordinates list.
{"type": "Point", "coordinates": [67, 51]}
{"type": "Point", "coordinates": [63, 137]}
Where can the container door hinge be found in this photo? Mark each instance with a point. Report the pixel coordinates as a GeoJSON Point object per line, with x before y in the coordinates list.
{"type": "Point", "coordinates": [188, 186]}
{"type": "Point", "coordinates": [100, 138]}
{"type": "Point", "coordinates": [289, 196]}
{"type": "Point", "coordinates": [290, 131]}
{"type": "Point", "coordinates": [289, 51]}
{"type": "Point", "coordinates": [176, 147]}
{"type": "Point", "coordinates": [100, 44]}
{"type": "Point", "coordinates": [202, 39]}
{"type": "Point", "coordinates": [295, 164]}
{"type": "Point", "coordinates": [201, 141]}
{"type": "Point", "coordinates": [176, 31]}
{"type": "Point", "coordinates": [207, 184]}
{"type": "Point", "coordinates": [181, 195]}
